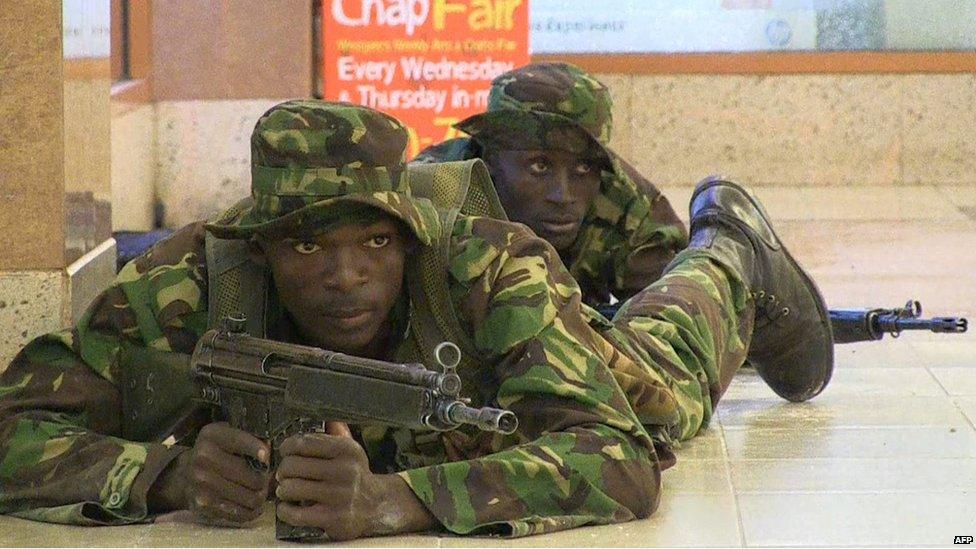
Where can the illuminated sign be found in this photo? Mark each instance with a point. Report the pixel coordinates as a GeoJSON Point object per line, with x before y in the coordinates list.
{"type": "Point", "coordinates": [428, 63]}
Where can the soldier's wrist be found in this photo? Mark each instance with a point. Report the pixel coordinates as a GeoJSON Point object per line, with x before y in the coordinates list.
{"type": "Point", "coordinates": [168, 492]}
{"type": "Point", "coordinates": [400, 511]}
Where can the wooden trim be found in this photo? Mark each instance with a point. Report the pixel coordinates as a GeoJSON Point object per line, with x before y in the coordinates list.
{"type": "Point", "coordinates": [140, 39]}
{"type": "Point", "coordinates": [772, 62]}
{"type": "Point", "coordinates": [137, 88]}
{"type": "Point", "coordinates": [87, 68]}
{"type": "Point", "coordinates": [117, 56]}
{"type": "Point", "coordinates": [132, 91]}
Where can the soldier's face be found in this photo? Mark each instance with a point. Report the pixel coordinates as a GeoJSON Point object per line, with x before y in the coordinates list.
{"type": "Point", "coordinates": [550, 191]}
{"type": "Point", "coordinates": [340, 286]}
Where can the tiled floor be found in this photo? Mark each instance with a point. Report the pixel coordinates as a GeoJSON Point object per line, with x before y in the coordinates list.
{"type": "Point", "coordinates": [885, 456]}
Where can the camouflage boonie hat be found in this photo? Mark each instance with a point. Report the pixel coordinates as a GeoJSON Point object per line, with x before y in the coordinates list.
{"type": "Point", "coordinates": [315, 163]}
{"type": "Point", "coordinates": [545, 106]}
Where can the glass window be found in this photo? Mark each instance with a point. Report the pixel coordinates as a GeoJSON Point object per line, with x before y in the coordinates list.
{"type": "Point", "coordinates": [702, 26]}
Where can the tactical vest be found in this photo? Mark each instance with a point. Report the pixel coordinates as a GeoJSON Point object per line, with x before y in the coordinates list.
{"type": "Point", "coordinates": [237, 285]}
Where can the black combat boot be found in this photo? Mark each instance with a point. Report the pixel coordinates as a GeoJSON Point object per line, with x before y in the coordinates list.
{"type": "Point", "coordinates": [792, 346]}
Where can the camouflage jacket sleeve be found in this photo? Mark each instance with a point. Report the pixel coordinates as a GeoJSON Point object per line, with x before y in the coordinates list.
{"type": "Point", "coordinates": [460, 148]}
{"type": "Point", "coordinates": [630, 234]}
{"type": "Point", "coordinates": [653, 232]}
{"type": "Point", "coordinates": [62, 458]}
{"type": "Point", "coordinates": [580, 455]}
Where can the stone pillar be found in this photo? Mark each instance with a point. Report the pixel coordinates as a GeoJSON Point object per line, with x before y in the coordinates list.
{"type": "Point", "coordinates": [55, 223]}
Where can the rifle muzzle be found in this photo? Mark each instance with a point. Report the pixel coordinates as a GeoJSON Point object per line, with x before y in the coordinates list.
{"type": "Point", "coordinates": [486, 419]}
{"type": "Point", "coordinates": [939, 325]}
{"type": "Point", "coordinates": [950, 325]}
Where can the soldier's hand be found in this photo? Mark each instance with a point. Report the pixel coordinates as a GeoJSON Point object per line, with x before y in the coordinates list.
{"type": "Point", "coordinates": [324, 481]}
{"type": "Point", "coordinates": [221, 486]}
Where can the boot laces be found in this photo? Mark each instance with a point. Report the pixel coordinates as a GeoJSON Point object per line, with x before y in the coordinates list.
{"type": "Point", "coordinates": [769, 309]}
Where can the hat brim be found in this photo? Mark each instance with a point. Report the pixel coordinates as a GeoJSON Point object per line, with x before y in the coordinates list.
{"type": "Point", "coordinates": [418, 214]}
{"type": "Point", "coordinates": [501, 128]}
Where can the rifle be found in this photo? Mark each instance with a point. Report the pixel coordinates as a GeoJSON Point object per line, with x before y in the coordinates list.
{"type": "Point", "coordinates": [273, 390]}
{"type": "Point", "coordinates": [851, 326]}
{"type": "Point", "coordinates": [854, 325]}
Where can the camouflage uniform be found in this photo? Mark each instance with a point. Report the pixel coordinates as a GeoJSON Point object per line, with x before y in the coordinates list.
{"type": "Point", "coordinates": [631, 232]}
{"type": "Point", "coordinates": [569, 374]}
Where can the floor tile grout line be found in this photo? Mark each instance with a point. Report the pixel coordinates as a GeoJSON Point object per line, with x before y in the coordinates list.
{"type": "Point", "coordinates": [851, 546]}
{"type": "Point", "coordinates": [889, 427]}
{"type": "Point", "coordinates": [959, 422]}
{"type": "Point", "coordinates": [846, 458]}
{"type": "Point", "coordinates": [960, 218]}
{"type": "Point", "coordinates": [954, 399]}
{"type": "Point", "coordinates": [727, 463]}
{"type": "Point", "coordinates": [942, 190]}
{"type": "Point", "coordinates": [936, 378]}
{"type": "Point", "coordinates": [873, 492]}
{"type": "Point", "coordinates": [955, 402]}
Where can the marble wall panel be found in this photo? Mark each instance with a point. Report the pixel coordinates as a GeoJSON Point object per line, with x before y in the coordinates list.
{"type": "Point", "coordinates": [809, 130]}
{"type": "Point", "coordinates": [87, 125]}
{"type": "Point", "coordinates": [622, 91]}
{"type": "Point", "coordinates": [939, 118]}
{"type": "Point", "coordinates": [133, 168]}
{"type": "Point", "coordinates": [799, 130]}
{"type": "Point", "coordinates": [54, 166]}
{"type": "Point", "coordinates": [87, 277]}
{"type": "Point", "coordinates": [31, 303]}
{"type": "Point", "coordinates": [31, 140]}
{"type": "Point", "coordinates": [87, 165]}
{"type": "Point", "coordinates": [203, 155]}
{"type": "Point", "coordinates": [784, 131]}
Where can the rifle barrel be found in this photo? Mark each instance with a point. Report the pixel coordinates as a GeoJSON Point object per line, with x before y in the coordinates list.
{"type": "Point", "coordinates": [486, 419]}
{"type": "Point", "coordinates": [939, 325]}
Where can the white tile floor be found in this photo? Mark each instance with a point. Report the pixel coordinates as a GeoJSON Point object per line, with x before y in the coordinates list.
{"type": "Point", "coordinates": [885, 456]}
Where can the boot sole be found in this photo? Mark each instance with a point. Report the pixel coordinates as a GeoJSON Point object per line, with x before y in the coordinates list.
{"type": "Point", "coordinates": [820, 302]}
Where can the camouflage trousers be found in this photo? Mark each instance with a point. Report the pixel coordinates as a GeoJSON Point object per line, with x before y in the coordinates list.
{"type": "Point", "coordinates": [690, 330]}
